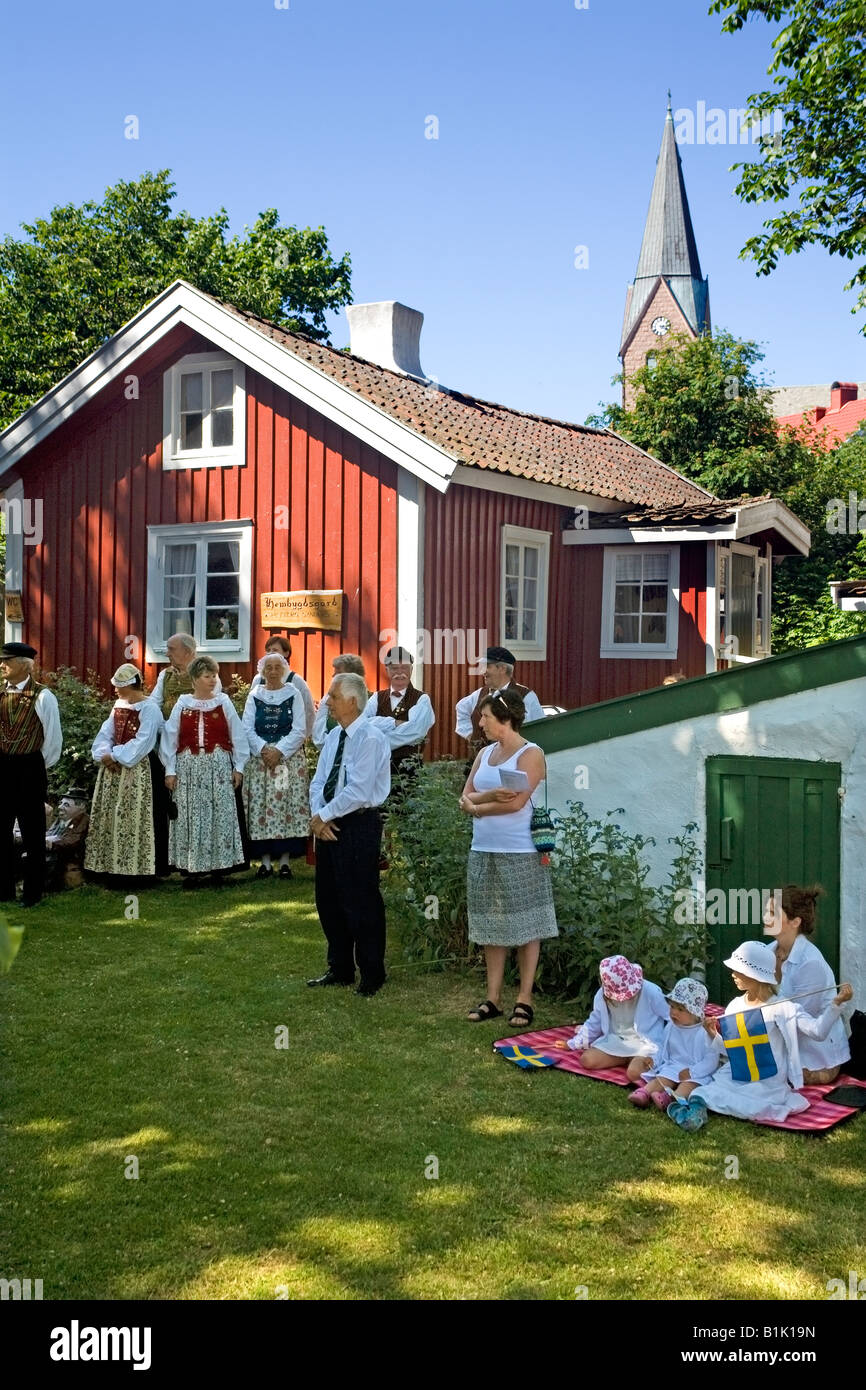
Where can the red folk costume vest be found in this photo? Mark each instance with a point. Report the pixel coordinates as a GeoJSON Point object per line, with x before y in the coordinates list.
{"type": "Point", "coordinates": [126, 722]}
{"type": "Point", "coordinates": [202, 731]}
{"type": "Point", "coordinates": [478, 741]}
{"type": "Point", "coordinates": [400, 715]}
{"type": "Point", "coordinates": [21, 728]}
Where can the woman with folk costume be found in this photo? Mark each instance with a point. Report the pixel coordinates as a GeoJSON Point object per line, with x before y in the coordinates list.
{"type": "Point", "coordinates": [276, 782]}
{"type": "Point", "coordinates": [30, 742]}
{"type": "Point", "coordinates": [121, 838]}
{"type": "Point", "coordinates": [204, 749]}
{"type": "Point", "coordinates": [283, 647]}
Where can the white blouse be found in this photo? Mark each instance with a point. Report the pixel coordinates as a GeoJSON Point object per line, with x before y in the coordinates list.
{"type": "Point", "coordinates": [292, 741]}
{"type": "Point", "coordinates": [168, 742]}
{"type": "Point", "coordinates": [129, 754]}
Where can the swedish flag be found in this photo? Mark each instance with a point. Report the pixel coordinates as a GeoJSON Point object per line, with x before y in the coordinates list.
{"type": "Point", "coordinates": [748, 1045]}
{"type": "Point", "coordinates": [526, 1056]}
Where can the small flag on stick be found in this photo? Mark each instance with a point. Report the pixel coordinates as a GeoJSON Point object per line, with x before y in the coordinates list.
{"type": "Point", "coordinates": [748, 1045]}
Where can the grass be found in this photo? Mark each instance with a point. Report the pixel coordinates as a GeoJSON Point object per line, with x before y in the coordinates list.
{"type": "Point", "coordinates": [299, 1172]}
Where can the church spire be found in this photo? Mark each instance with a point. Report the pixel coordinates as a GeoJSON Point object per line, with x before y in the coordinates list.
{"type": "Point", "coordinates": [668, 249]}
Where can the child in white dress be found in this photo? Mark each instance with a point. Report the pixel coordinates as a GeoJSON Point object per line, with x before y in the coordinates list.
{"type": "Point", "coordinates": [627, 1022]}
{"type": "Point", "coordinates": [753, 966]}
{"type": "Point", "coordinates": [687, 1057]}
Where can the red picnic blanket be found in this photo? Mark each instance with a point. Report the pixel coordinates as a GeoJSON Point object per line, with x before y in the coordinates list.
{"type": "Point", "coordinates": [821, 1115]}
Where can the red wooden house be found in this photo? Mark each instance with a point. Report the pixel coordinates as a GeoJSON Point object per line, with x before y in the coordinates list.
{"type": "Point", "coordinates": [202, 457]}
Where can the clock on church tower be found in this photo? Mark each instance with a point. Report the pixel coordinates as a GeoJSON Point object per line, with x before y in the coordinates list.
{"type": "Point", "coordinates": [660, 326]}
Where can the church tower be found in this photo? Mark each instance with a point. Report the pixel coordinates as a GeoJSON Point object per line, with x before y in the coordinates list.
{"type": "Point", "coordinates": [668, 294]}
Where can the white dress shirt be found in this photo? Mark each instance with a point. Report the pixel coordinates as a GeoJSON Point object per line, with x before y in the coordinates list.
{"type": "Point", "coordinates": [466, 707]}
{"type": "Point", "coordinates": [292, 741]}
{"type": "Point", "coordinates": [806, 970]}
{"type": "Point", "coordinates": [170, 732]}
{"type": "Point", "coordinates": [364, 778]}
{"type": "Point", "coordinates": [402, 733]}
{"type": "Point", "coordinates": [156, 695]}
{"type": "Point", "coordinates": [49, 717]}
{"type": "Point", "coordinates": [150, 724]}
{"type": "Point", "coordinates": [306, 698]}
{"type": "Point", "coordinates": [320, 723]}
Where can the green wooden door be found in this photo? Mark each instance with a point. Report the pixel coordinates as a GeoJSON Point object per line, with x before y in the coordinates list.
{"type": "Point", "coordinates": [770, 821]}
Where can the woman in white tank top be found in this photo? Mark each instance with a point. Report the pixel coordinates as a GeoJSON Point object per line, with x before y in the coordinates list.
{"type": "Point", "coordinates": [509, 893]}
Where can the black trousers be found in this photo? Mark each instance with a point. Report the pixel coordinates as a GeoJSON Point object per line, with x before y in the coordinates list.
{"type": "Point", "coordinates": [23, 790]}
{"type": "Point", "coordinates": [161, 800]}
{"type": "Point", "coordinates": [348, 899]}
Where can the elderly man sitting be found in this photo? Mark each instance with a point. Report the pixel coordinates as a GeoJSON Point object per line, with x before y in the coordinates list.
{"type": "Point", "coordinates": [351, 782]}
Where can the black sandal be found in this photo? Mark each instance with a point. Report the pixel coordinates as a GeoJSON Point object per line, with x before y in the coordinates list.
{"type": "Point", "coordinates": [484, 1011]}
{"type": "Point", "coordinates": [521, 1013]}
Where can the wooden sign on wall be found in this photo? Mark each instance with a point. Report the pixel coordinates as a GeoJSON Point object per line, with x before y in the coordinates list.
{"type": "Point", "coordinates": [321, 609]}
{"type": "Point", "coordinates": [14, 607]}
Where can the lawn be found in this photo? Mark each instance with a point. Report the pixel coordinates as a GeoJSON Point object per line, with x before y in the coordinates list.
{"type": "Point", "coordinates": [299, 1171]}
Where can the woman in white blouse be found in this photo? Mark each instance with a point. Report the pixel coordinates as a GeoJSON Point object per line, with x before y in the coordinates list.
{"type": "Point", "coordinates": [801, 969]}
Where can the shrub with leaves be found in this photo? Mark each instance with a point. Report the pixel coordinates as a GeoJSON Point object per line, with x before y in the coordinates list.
{"type": "Point", "coordinates": [604, 903]}
{"type": "Point", "coordinates": [428, 840]}
{"type": "Point", "coordinates": [605, 906]}
{"type": "Point", "coordinates": [83, 708]}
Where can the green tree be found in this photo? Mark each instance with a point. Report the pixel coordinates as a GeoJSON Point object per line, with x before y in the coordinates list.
{"type": "Point", "coordinates": [703, 409]}
{"type": "Point", "coordinates": [82, 272]}
{"type": "Point", "coordinates": [814, 148]}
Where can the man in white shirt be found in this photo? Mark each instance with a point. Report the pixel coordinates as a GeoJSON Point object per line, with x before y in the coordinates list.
{"type": "Point", "coordinates": [31, 741]}
{"type": "Point", "coordinates": [498, 676]}
{"type": "Point", "coordinates": [403, 713]}
{"type": "Point", "coordinates": [351, 782]}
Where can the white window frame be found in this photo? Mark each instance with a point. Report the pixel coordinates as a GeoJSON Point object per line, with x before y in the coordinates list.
{"type": "Point", "coordinates": [642, 650]}
{"type": "Point", "coordinates": [762, 562]}
{"type": "Point", "coordinates": [524, 535]}
{"type": "Point", "coordinates": [157, 539]}
{"type": "Point", "coordinates": [227, 456]}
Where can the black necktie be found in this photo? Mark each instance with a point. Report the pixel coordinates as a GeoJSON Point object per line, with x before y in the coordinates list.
{"type": "Point", "coordinates": [331, 783]}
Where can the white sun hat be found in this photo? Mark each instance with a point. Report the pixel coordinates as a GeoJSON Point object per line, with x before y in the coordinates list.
{"type": "Point", "coordinates": [754, 960]}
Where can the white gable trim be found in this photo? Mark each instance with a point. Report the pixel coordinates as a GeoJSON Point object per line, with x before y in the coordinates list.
{"type": "Point", "coordinates": [181, 304]}
{"type": "Point", "coordinates": [748, 520]}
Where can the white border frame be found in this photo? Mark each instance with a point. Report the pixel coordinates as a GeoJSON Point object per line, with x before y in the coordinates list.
{"type": "Point", "coordinates": [639, 650]}
{"type": "Point", "coordinates": [241, 530]}
{"type": "Point", "coordinates": [525, 535]}
{"type": "Point", "coordinates": [228, 456]}
{"type": "Point", "coordinates": [14, 583]}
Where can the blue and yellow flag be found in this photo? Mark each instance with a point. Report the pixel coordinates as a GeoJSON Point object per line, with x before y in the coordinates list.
{"type": "Point", "coordinates": [526, 1056]}
{"type": "Point", "coordinates": [748, 1045]}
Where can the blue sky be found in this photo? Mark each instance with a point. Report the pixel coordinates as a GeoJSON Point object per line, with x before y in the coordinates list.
{"type": "Point", "coordinates": [549, 123]}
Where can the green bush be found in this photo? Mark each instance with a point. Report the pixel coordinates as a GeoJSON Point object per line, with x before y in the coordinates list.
{"type": "Point", "coordinates": [604, 904]}
{"type": "Point", "coordinates": [83, 708]}
{"type": "Point", "coordinates": [428, 841]}
{"type": "Point", "coordinates": [605, 907]}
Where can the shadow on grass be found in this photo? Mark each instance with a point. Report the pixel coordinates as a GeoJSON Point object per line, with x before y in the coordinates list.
{"type": "Point", "coordinates": [308, 1170]}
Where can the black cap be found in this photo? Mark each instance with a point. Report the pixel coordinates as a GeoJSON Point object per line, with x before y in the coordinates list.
{"type": "Point", "coordinates": [501, 655]}
{"type": "Point", "coordinates": [17, 649]}
{"type": "Point", "coordinates": [396, 655]}
{"type": "Point", "coordinates": [75, 794]}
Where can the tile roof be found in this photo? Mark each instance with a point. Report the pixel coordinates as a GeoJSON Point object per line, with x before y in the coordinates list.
{"type": "Point", "coordinates": [483, 435]}
{"type": "Point", "coordinates": [705, 512]}
{"type": "Point", "coordinates": [827, 428]}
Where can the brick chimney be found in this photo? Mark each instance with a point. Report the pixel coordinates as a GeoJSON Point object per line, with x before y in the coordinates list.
{"type": "Point", "coordinates": [841, 392]}
{"type": "Point", "coordinates": [387, 333]}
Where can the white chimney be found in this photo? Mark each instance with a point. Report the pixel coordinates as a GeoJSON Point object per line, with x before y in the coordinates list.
{"type": "Point", "coordinates": [387, 333]}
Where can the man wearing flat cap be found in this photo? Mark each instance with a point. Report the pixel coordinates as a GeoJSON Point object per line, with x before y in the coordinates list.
{"type": "Point", "coordinates": [402, 713]}
{"type": "Point", "coordinates": [498, 676]}
{"type": "Point", "coordinates": [30, 743]}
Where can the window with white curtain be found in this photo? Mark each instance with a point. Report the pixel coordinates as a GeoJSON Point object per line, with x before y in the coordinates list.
{"type": "Point", "coordinates": [204, 412]}
{"type": "Point", "coordinates": [523, 613]}
{"type": "Point", "coordinates": [640, 603]}
{"type": "Point", "coordinates": [199, 581]}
